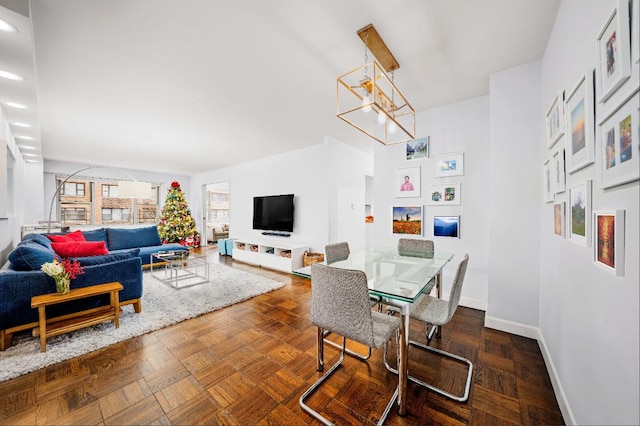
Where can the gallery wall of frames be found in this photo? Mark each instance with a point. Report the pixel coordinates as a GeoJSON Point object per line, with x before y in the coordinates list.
{"type": "Point", "coordinates": [595, 126]}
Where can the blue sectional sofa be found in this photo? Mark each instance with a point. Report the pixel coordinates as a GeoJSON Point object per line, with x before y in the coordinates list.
{"type": "Point", "coordinates": [129, 249]}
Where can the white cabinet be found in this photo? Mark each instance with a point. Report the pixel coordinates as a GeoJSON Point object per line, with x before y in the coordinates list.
{"type": "Point", "coordinates": [281, 257]}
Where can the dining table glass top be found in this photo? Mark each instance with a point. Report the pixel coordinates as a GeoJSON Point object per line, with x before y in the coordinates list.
{"type": "Point", "coordinates": [393, 275]}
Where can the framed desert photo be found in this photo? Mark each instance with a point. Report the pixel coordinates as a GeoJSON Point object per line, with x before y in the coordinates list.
{"type": "Point", "coordinates": [548, 184]}
{"type": "Point", "coordinates": [559, 182]}
{"type": "Point", "coordinates": [418, 148]}
{"type": "Point", "coordinates": [446, 226]}
{"type": "Point", "coordinates": [444, 194]}
{"type": "Point", "coordinates": [618, 145]}
{"type": "Point", "coordinates": [579, 214]}
{"type": "Point", "coordinates": [555, 119]}
{"type": "Point", "coordinates": [407, 182]}
{"type": "Point", "coordinates": [558, 219]}
{"type": "Point", "coordinates": [608, 247]}
{"type": "Point", "coordinates": [613, 59]}
{"type": "Point", "coordinates": [407, 220]}
{"type": "Point", "coordinates": [450, 164]}
{"type": "Point", "coordinates": [580, 124]}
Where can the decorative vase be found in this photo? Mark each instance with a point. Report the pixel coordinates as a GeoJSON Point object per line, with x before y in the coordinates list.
{"type": "Point", "coordinates": [63, 285]}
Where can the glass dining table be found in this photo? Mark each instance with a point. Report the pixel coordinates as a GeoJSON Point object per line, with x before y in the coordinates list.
{"type": "Point", "coordinates": [399, 280]}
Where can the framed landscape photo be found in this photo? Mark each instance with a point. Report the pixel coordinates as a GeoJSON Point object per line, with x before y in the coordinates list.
{"type": "Point", "coordinates": [613, 58]}
{"type": "Point", "coordinates": [559, 176]}
{"type": "Point", "coordinates": [446, 226]}
{"type": "Point", "coordinates": [418, 148]}
{"type": "Point", "coordinates": [558, 219]}
{"type": "Point", "coordinates": [608, 247]}
{"type": "Point", "coordinates": [579, 214]}
{"type": "Point", "coordinates": [548, 184]}
{"type": "Point", "coordinates": [450, 164]}
{"type": "Point", "coordinates": [407, 182]}
{"type": "Point", "coordinates": [555, 119]}
{"type": "Point", "coordinates": [580, 124]}
{"type": "Point", "coordinates": [407, 220]}
{"type": "Point", "coordinates": [618, 145]}
{"type": "Point", "coordinates": [444, 194]}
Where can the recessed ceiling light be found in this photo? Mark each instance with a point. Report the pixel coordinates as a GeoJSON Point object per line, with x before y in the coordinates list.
{"type": "Point", "coordinates": [21, 124]}
{"type": "Point", "coordinates": [26, 146]}
{"type": "Point", "coordinates": [5, 26]}
{"type": "Point", "coordinates": [10, 75]}
{"type": "Point", "coordinates": [29, 155]}
{"type": "Point", "coordinates": [26, 160]}
{"type": "Point", "coordinates": [26, 138]}
{"type": "Point", "coordinates": [16, 105]}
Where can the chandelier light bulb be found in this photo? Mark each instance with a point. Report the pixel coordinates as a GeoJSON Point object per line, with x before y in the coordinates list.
{"type": "Point", "coordinates": [392, 126]}
{"type": "Point", "coordinates": [381, 117]}
{"type": "Point", "coordinates": [366, 102]}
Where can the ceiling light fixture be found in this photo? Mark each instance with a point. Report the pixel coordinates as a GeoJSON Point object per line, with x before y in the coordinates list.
{"type": "Point", "coordinates": [10, 76]}
{"type": "Point", "coordinates": [23, 137]}
{"type": "Point", "coordinates": [26, 146]}
{"type": "Point", "coordinates": [7, 27]}
{"type": "Point", "coordinates": [25, 125]}
{"type": "Point", "coordinates": [16, 105]}
{"type": "Point", "coordinates": [369, 88]}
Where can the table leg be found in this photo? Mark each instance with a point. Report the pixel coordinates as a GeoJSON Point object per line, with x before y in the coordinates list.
{"type": "Point", "coordinates": [439, 296]}
{"type": "Point", "coordinates": [403, 364]}
{"type": "Point", "coordinates": [115, 304]}
{"type": "Point", "coordinates": [42, 320]}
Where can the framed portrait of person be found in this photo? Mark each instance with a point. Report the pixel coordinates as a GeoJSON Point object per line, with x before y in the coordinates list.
{"type": "Point", "coordinates": [407, 182]}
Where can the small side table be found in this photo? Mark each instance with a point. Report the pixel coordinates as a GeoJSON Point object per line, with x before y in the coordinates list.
{"type": "Point", "coordinates": [80, 319]}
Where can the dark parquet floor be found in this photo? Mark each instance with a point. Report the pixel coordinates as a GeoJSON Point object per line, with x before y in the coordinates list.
{"type": "Point", "coordinates": [249, 363]}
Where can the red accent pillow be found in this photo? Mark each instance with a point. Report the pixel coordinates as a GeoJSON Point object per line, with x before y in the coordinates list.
{"type": "Point", "coordinates": [79, 248]}
{"type": "Point", "coordinates": [71, 236]}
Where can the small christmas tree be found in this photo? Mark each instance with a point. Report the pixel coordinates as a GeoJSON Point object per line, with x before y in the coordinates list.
{"type": "Point", "coordinates": [176, 223]}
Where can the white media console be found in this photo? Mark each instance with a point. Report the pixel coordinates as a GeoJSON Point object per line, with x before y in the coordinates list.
{"type": "Point", "coordinates": [281, 257]}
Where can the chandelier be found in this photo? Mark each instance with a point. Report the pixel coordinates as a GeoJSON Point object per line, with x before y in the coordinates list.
{"type": "Point", "coordinates": [368, 99]}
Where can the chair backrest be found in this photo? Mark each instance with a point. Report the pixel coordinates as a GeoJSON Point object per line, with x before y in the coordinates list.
{"type": "Point", "coordinates": [415, 247]}
{"type": "Point", "coordinates": [336, 251]}
{"type": "Point", "coordinates": [340, 303]}
{"type": "Point", "coordinates": [456, 288]}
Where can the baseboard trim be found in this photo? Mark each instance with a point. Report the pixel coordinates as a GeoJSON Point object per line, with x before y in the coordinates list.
{"type": "Point", "coordinates": [535, 333]}
{"type": "Point", "coordinates": [473, 304]}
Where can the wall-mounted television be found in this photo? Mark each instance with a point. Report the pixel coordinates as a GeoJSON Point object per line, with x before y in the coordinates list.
{"type": "Point", "coordinates": [273, 213]}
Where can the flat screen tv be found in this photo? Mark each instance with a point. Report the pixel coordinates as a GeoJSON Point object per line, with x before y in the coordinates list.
{"type": "Point", "coordinates": [273, 213]}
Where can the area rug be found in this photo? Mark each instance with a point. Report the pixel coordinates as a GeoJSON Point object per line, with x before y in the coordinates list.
{"type": "Point", "coordinates": [162, 306]}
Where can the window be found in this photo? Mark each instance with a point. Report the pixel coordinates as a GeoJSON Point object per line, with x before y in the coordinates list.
{"type": "Point", "coordinates": [116, 215]}
{"type": "Point", "coordinates": [75, 215]}
{"type": "Point", "coordinates": [73, 189]}
{"type": "Point", "coordinates": [109, 191]}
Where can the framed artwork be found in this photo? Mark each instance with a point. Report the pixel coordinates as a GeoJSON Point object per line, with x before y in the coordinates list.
{"type": "Point", "coordinates": [418, 148]}
{"type": "Point", "coordinates": [407, 220]}
{"type": "Point", "coordinates": [549, 187]}
{"type": "Point", "coordinates": [559, 176]}
{"type": "Point", "coordinates": [558, 219]}
{"type": "Point", "coordinates": [608, 247]}
{"type": "Point", "coordinates": [446, 226]}
{"type": "Point", "coordinates": [450, 164]}
{"type": "Point", "coordinates": [635, 31]}
{"type": "Point", "coordinates": [579, 215]}
{"type": "Point", "coordinates": [618, 145]}
{"type": "Point", "coordinates": [613, 62]}
{"type": "Point", "coordinates": [407, 182]}
{"type": "Point", "coordinates": [444, 194]}
{"type": "Point", "coordinates": [580, 124]}
{"type": "Point", "coordinates": [555, 119]}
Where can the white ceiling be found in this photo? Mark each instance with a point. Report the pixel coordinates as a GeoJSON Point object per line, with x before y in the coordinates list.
{"type": "Point", "coordinates": [189, 86]}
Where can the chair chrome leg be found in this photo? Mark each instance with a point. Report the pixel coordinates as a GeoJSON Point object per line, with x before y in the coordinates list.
{"type": "Point", "coordinates": [347, 350]}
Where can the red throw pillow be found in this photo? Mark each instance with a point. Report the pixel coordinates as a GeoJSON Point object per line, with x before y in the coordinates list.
{"type": "Point", "coordinates": [79, 248]}
{"type": "Point", "coordinates": [71, 236]}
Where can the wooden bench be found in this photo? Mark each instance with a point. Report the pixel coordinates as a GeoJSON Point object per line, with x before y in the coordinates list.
{"type": "Point", "coordinates": [78, 320]}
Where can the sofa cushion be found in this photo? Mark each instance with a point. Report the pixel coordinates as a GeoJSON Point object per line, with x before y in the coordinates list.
{"type": "Point", "coordinates": [99, 234]}
{"type": "Point", "coordinates": [79, 248]}
{"type": "Point", "coordinates": [30, 256]}
{"type": "Point", "coordinates": [123, 238]}
{"type": "Point", "coordinates": [111, 257]}
{"type": "Point", "coordinates": [40, 239]}
{"type": "Point", "coordinates": [71, 236]}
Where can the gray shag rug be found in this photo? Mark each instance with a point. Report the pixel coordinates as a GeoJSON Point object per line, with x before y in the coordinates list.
{"type": "Point", "coordinates": [162, 306]}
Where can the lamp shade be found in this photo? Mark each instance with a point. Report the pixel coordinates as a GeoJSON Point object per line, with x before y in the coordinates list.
{"type": "Point", "coordinates": [134, 189]}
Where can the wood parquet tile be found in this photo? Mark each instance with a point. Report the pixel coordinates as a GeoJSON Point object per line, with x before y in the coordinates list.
{"type": "Point", "coordinates": [250, 362]}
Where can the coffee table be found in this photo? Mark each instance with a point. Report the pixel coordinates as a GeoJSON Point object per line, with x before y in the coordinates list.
{"type": "Point", "coordinates": [180, 268]}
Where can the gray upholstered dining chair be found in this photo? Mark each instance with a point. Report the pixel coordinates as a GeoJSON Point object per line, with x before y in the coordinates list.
{"type": "Point", "coordinates": [336, 251]}
{"type": "Point", "coordinates": [340, 303]}
{"type": "Point", "coordinates": [437, 312]}
{"type": "Point", "coordinates": [415, 247]}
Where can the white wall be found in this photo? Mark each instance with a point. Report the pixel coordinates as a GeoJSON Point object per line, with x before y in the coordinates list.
{"type": "Point", "coordinates": [460, 127]}
{"type": "Point", "coordinates": [589, 318]}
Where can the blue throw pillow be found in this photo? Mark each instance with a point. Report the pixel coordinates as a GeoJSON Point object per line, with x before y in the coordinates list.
{"type": "Point", "coordinates": [96, 235]}
{"type": "Point", "coordinates": [123, 238]}
{"type": "Point", "coordinates": [30, 256]}
{"type": "Point", "coordinates": [38, 238]}
{"type": "Point", "coordinates": [113, 257]}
